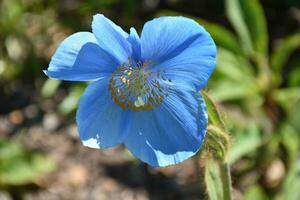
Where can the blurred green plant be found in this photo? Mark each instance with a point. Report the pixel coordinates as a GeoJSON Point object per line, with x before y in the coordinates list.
{"type": "Point", "coordinates": [20, 57]}
{"type": "Point", "coordinates": [260, 91]}
{"type": "Point", "coordinates": [19, 166]}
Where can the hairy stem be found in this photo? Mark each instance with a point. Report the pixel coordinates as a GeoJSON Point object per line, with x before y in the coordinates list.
{"type": "Point", "coordinates": [226, 180]}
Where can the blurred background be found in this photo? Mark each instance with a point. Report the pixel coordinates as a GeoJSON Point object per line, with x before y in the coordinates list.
{"type": "Point", "coordinates": [256, 86]}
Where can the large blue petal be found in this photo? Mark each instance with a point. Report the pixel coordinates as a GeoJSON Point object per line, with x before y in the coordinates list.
{"type": "Point", "coordinates": [111, 38]}
{"type": "Point", "coordinates": [181, 47]}
{"type": "Point", "coordinates": [170, 133]}
{"type": "Point", "coordinates": [101, 123]}
{"type": "Point", "coordinates": [135, 42]}
{"type": "Point", "coordinates": [79, 58]}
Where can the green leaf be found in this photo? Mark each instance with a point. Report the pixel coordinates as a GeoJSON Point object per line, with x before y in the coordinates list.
{"type": "Point", "coordinates": [213, 180]}
{"type": "Point", "coordinates": [290, 189]}
{"type": "Point", "coordinates": [283, 51]}
{"type": "Point", "coordinates": [293, 116]}
{"type": "Point", "coordinates": [245, 142]}
{"type": "Point", "coordinates": [287, 97]}
{"type": "Point", "coordinates": [49, 87]}
{"type": "Point", "coordinates": [70, 103]}
{"type": "Point", "coordinates": [227, 90]}
{"type": "Point", "coordinates": [233, 66]}
{"type": "Point", "coordinates": [222, 36]}
{"type": "Point", "coordinates": [19, 166]}
{"type": "Point", "coordinates": [294, 74]}
{"type": "Point", "coordinates": [256, 22]}
{"type": "Point", "coordinates": [214, 116]}
{"type": "Point", "coordinates": [255, 192]}
{"type": "Point", "coordinates": [235, 15]}
{"type": "Point", "coordinates": [290, 140]}
{"type": "Point", "coordinates": [248, 20]}
{"type": "Point", "coordinates": [10, 13]}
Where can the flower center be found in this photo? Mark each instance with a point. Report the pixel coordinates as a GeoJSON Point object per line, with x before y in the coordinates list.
{"type": "Point", "coordinates": [135, 87]}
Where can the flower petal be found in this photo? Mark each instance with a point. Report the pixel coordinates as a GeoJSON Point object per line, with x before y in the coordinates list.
{"type": "Point", "coordinates": [111, 38]}
{"type": "Point", "coordinates": [79, 58]}
{"type": "Point", "coordinates": [171, 133]}
{"type": "Point", "coordinates": [181, 47]}
{"type": "Point", "coordinates": [192, 66]}
{"type": "Point", "coordinates": [101, 123]}
{"type": "Point", "coordinates": [135, 42]}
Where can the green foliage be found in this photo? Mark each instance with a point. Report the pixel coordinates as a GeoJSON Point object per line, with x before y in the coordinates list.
{"type": "Point", "coordinates": [235, 13]}
{"type": "Point", "coordinates": [252, 21]}
{"type": "Point", "coordinates": [19, 166]}
{"type": "Point", "coordinates": [49, 88]}
{"type": "Point", "coordinates": [257, 193]}
{"type": "Point", "coordinates": [283, 51]}
{"type": "Point", "coordinates": [245, 142]}
{"type": "Point", "coordinates": [261, 98]}
{"type": "Point", "coordinates": [291, 186]}
{"type": "Point", "coordinates": [288, 138]}
{"type": "Point", "coordinates": [70, 102]}
{"type": "Point", "coordinates": [287, 98]}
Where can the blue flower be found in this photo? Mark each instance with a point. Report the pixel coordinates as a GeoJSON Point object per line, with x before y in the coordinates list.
{"type": "Point", "coordinates": [145, 90]}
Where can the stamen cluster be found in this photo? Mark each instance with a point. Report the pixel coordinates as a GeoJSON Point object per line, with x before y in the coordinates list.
{"type": "Point", "coordinates": [134, 86]}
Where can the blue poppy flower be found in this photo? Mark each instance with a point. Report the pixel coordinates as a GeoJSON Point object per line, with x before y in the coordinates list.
{"type": "Point", "coordinates": [145, 90]}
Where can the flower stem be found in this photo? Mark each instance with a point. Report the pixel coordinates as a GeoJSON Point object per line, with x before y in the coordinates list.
{"type": "Point", "coordinates": [226, 180]}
